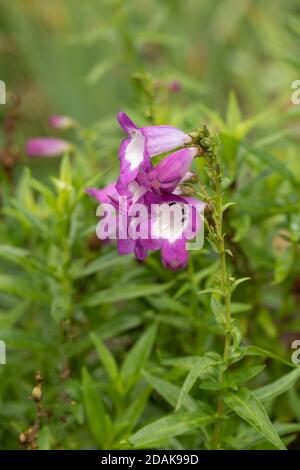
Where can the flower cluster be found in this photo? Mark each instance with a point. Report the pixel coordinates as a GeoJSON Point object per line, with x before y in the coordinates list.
{"type": "Point", "coordinates": [152, 188]}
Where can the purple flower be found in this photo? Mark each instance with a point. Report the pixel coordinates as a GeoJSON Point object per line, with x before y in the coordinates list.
{"type": "Point", "coordinates": [170, 172]}
{"type": "Point", "coordinates": [47, 147]}
{"type": "Point", "coordinates": [61, 122]}
{"type": "Point", "coordinates": [142, 144]}
{"type": "Point", "coordinates": [155, 216]}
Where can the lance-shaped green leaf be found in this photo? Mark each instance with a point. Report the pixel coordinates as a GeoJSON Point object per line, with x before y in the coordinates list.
{"type": "Point", "coordinates": [218, 310]}
{"type": "Point", "coordinates": [278, 387]}
{"type": "Point", "coordinates": [169, 391]}
{"type": "Point", "coordinates": [132, 414]}
{"type": "Point", "coordinates": [233, 114]}
{"type": "Point", "coordinates": [123, 293]}
{"type": "Point", "coordinates": [185, 363]}
{"type": "Point", "coordinates": [199, 369]}
{"type": "Point", "coordinates": [243, 375]}
{"type": "Point", "coordinates": [169, 427]}
{"type": "Point", "coordinates": [249, 438]}
{"type": "Point", "coordinates": [98, 419]}
{"type": "Point", "coordinates": [137, 357]}
{"type": "Point", "coordinates": [106, 358]}
{"type": "Point", "coordinates": [257, 351]}
{"type": "Point", "coordinates": [102, 263]}
{"type": "Point", "coordinates": [238, 282]}
{"type": "Point", "coordinates": [248, 407]}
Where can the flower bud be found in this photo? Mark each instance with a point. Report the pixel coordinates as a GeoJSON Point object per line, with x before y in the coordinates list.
{"type": "Point", "coordinates": [187, 191]}
{"type": "Point", "coordinates": [22, 438]}
{"type": "Point", "coordinates": [37, 393]}
{"type": "Point", "coordinates": [47, 147]}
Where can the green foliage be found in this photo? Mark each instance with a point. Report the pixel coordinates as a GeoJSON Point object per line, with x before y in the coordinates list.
{"type": "Point", "coordinates": [132, 355]}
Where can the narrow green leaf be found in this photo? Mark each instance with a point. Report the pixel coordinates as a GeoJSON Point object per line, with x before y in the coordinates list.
{"type": "Point", "coordinates": [233, 114]}
{"type": "Point", "coordinates": [226, 206]}
{"type": "Point", "coordinates": [271, 162]}
{"type": "Point", "coordinates": [201, 367]}
{"type": "Point", "coordinates": [169, 391]}
{"type": "Point", "coordinates": [284, 261]}
{"type": "Point", "coordinates": [211, 291]}
{"type": "Point", "coordinates": [117, 294]}
{"type": "Point", "coordinates": [66, 171]}
{"type": "Point", "coordinates": [106, 358]}
{"type": "Point", "coordinates": [278, 387]}
{"type": "Point", "coordinates": [257, 351]}
{"type": "Point", "coordinates": [250, 438]}
{"type": "Point", "coordinates": [168, 427]}
{"type": "Point", "coordinates": [236, 336]}
{"type": "Point", "coordinates": [218, 310]}
{"type": "Point", "coordinates": [238, 282]}
{"type": "Point", "coordinates": [185, 363]}
{"type": "Point", "coordinates": [131, 415]}
{"type": "Point", "coordinates": [100, 264]}
{"type": "Point", "coordinates": [294, 402]}
{"type": "Point", "coordinates": [249, 408]}
{"type": "Point", "coordinates": [137, 357]}
{"type": "Point", "coordinates": [240, 377]}
{"type": "Point", "coordinates": [98, 419]}
{"type": "Point", "coordinates": [111, 328]}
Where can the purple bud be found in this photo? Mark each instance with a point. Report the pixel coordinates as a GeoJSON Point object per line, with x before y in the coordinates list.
{"type": "Point", "coordinates": [47, 147]}
{"type": "Point", "coordinates": [171, 170]}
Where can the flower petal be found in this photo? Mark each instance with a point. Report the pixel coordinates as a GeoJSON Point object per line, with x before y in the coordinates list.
{"type": "Point", "coordinates": [132, 154]}
{"type": "Point", "coordinates": [126, 123]}
{"type": "Point", "coordinates": [104, 195]}
{"type": "Point", "coordinates": [125, 247]}
{"type": "Point", "coordinates": [140, 251]}
{"type": "Point", "coordinates": [174, 255]}
{"type": "Point", "coordinates": [161, 139]}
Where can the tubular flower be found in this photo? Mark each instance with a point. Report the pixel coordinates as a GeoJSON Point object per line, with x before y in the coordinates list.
{"type": "Point", "coordinates": [47, 147]}
{"type": "Point", "coordinates": [154, 216]}
{"type": "Point", "coordinates": [142, 144]}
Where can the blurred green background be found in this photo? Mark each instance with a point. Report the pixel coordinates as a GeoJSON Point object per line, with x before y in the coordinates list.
{"type": "Point", "coordinates": [78, 58]}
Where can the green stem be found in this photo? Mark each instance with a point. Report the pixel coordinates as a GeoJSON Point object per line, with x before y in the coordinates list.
{"type": "Point", "coordinates": [226, 291]}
